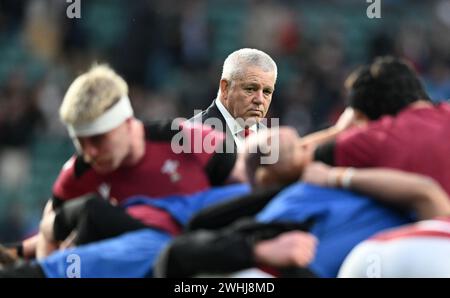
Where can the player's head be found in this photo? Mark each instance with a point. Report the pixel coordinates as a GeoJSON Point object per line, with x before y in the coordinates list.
{"type": "Point", "coordinates": [97, 112]}
{"type": "Point", "coordinates": [290, 162]}
{"type": "Point", "coordinates": [247, 84]}
{"type": "Point", "coordinates": [384, 87]}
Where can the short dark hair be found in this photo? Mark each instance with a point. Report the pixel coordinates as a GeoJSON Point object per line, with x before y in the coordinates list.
{"type": "Point", "coordinates": [384, 87]}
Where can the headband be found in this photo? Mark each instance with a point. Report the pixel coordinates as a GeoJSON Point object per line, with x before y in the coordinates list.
{"type": "Point", "coordinates": [109, 120]}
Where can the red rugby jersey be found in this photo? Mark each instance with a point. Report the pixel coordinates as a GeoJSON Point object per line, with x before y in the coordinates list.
{"type": "Point", "coordinates": [416, 140]}
{"type": "Point", "coordinates": [161, 172]}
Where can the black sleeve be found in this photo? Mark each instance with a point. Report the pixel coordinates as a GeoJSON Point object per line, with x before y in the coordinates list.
{"type": "Point", "coordinates": [222, 251]}
{"type": "Point", "coordinates": [220, 166]}
{"type": "Point", "coordinates": [56, 202]}
{"type": "Point", "coordinates": [204, 252]}
{"type": "Point", "coordinates": [23, 270]}
{"type": "Point", "coordinates": [68, 215]}
{"type": "Point", "coordinates": [223, 214]}
{"type": "Point", "coordinates": [94, 219]}
{"type": "Point", "coordinates": [325, 153]}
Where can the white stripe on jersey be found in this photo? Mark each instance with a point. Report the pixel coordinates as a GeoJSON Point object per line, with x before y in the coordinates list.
{"type": "Point", "coordinates": [417, 250]}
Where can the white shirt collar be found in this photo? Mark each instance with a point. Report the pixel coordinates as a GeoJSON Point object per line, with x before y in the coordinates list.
{"type": "Point", "coordinates": [232, 124]}
{"type": "Point", "coordinates": [234, 127]}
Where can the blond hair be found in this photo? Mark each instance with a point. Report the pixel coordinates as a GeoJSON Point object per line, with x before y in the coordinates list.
{"type": "Point", "coordinates": [91, 94]}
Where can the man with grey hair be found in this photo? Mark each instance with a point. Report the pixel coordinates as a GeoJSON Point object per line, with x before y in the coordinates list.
{"type": "Point", "coordinates": [245, 92]}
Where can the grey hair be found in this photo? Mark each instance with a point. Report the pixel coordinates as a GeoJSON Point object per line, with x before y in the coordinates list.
{"type": "Point", "coordinates": [236, 63]}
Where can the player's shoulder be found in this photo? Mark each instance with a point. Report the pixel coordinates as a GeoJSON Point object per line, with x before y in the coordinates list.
{"type": "Point", "coordinates": [445, 106]}
{"type": "Point", "coordinates": [308, 191]}
{"type": "Point", "coordinates": [187, 135]}
{"type": "Point", "coordinates": [161, 130]}
{"type": "Point", "coordinates": [76, 166]}
{"type": "Point", "coordinates": [374, 130]}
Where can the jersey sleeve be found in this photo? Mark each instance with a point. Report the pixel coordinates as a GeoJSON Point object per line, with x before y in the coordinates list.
{"type": "Point", "coordinates": [75, 179]}
{"type": "Point", "coordinates": [220, 251]}
{"type": "Point", "coordinates": [359, 147]}
{"type": "Point", "coordinates": [222, 214]}
{"type": "Point", "coordinates": [210, 149]}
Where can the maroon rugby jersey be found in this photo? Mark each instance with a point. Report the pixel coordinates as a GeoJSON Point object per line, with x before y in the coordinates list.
{"type": "Point", "coordinates": [161, 172]}
{"type": "Point", "coordinates": [416, 140]}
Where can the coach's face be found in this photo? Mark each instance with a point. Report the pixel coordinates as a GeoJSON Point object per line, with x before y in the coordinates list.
{"type": "Point", "coordinates": [249, 96]}
{"type": "Point", "coordinates": [106, 152]}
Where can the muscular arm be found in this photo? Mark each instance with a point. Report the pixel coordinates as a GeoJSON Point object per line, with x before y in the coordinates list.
{"type": "Point", "coordinates": [413, 191]}
{"type": "Point", "coordinates": [224, 214]}
{"type": "Point", "coordinates": [350, 117]}
{"type": "Point", "coordinates": [240, 246]}
{"type": "Point", "coordinates": [320, 137]}
{"type": "Point", "coordinates": [421, 193]}
{"type": "Point", "coordinates": [30, 245]}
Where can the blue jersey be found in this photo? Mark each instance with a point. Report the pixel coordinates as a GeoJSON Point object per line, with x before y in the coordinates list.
{"type": "Point", "coordinates": [342, 220]}
{"type": "Point", "coordinates": [129, 255]}
{"type": "Point", "coordinates": [133, 254]}
{"type": "Point", "coordinates": [183, 207]}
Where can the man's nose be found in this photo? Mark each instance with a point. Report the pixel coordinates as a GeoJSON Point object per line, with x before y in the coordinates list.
{"type": "Point", "coordinates": [90, 150]}
{"type": "Point", "coordinates": [259, 97]}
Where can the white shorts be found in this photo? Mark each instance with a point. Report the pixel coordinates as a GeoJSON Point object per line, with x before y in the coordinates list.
{"type": "Point", "coordinates": [417, 250]}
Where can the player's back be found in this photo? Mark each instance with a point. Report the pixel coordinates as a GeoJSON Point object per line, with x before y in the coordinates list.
{"type": "Point", "coordinates": [416, 140]}
{"type": "Point", "coordinates": [417, 250]}
{"type": "Point", "coordinates": [342, 219]}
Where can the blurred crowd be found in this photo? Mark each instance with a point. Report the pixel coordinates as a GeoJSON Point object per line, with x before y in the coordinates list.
{"type": "Point", "coordinates": [170, 52]}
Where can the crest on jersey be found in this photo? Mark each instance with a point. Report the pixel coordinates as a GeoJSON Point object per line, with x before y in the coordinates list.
{"type": "Point", "coordinates": [104, 190]}
{"type": "Point", "coordinates": [170, 167]}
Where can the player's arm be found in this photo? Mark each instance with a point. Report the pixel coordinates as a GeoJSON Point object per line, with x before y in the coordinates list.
{"type": "Point", "coordinates": [29, 247]}
{"type": "Point", "coordinates": [243, 245]}
{"type": "Point", "coordinates": [348, 142]}
{"type": "Point", "coordinates": [65, 187]}
{"type": "Point", "coordinates": [21, 249]}
{"type": "Point", "coordinates": [349, 118]}
{"type": "Point", "coordinates": [225, 213]}
{"type": "Point", "coordinates": [420, 193]}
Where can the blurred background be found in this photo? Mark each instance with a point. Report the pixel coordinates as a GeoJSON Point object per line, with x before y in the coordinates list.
{"type": "Point", "coordinates": [171, 53]}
